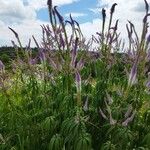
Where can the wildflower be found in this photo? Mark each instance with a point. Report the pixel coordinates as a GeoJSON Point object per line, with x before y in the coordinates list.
{"type": "Point", "coordinates": [62, 40]}
{"type": "Point", "coordinates": [146, 6]}
{"type": "Point", "coordinates": [61, 19]}
{"type": "Point", "coordinates": [148, 84]}
{"type": "Point", "coordinates": [80, 64]}
{"type": "Point", "coordinates": [2, 67]}
{"type": "Point", "coordinates": [85, 107]}
{"type": "Point", "coordinates": [116, 25]}
{"type": "Point", "coordinates": [102, 113]}
{"type": "Point", "coordinates": [103, 13]}
{"type": "Point", "coordinates": [133, 74]}
{"type": "Point", "coordinates": [113, 8]}
{"type": "Point", "coordinates": [103, 26]}
{"type": "Point", "coordinates": [16, 34]}
{"type": "Point", "coordinates": [112, 121]}
{"type": "Point", "coordinates": [32, 61]}
{"type": "Point", "coordinates": [129, 119]}
{"type": "Point", "coordinates": [145, 18]}
{"type": "Point", "coordinates": [72, 21]}
{"type": "Point", "coordinates": [74, 53]}
{"type": "Point", "coordinates": [109, 98]}
{"type": "Point", "coordinates": [148, 39]}
{"type": "Point", "coordinates": [76, 23]}
{"type": "Point", "coordinates": [128, 111]}
{"type": "Point", "coordinates": [42, 56]}
{"type": "Point", "coordinates": [49, 3]}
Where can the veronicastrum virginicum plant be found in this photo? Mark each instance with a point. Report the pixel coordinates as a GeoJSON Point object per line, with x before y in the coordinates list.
{"type": "Point", "coordinates": [67, 97]}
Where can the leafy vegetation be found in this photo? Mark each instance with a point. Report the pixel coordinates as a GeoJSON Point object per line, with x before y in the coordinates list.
{"type": "Point", "coordinates": [65, 97]}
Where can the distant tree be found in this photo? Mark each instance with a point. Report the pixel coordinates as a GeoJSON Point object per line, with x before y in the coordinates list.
{"type": "Point", "coordinates": [5, 58]}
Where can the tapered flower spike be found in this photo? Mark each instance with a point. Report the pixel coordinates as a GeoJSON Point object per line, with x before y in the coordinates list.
{"type": "Point", "coordinates": [1, 65]}
{"type": "Point", "coordinates": [62, 43]}
{"type": "Point", "coordinates": [148, 55]}
{"type": "Point", "coordinates": [103, 13]}
{"type": "Point", "coordinates": [102, 113]}
{"type": "Point", "coordinates": [32, 61]}
{"type": "Point", "coordinates": [109, 98]}
{"type": "Point", "coordinates": [80, 64]}
{"type": "Point", "coordinates": [85, 107]}
{"type": "Point", "coordinates": [113, 8]}
{"type": "Point", "coordinates": [15, 33]}
{"type": "Point", "coordinates": [42, 56]}
{"type": "Point", "coordinates": [61, 19]}
{"type": "Point", "coordinates": [145, 18]}
{"type": "Point", "coordinates": [127, 114]}
{"type": "Point", "coordinates": [148, 84]}
{"type": "Point", "coordinates": [36, 42]}
{"type": "Point", "coordinates": [112, 121]}
{"type": "Point", "coordinates": [68, 22]}
{"type": "Point", "coordinates": [74, 53]}
{"type": "Point", "coordinates": [148, 39]}
{"type": "Point", "coordinates": [133, 75]}
{"type": "Point", "coordinates": [72, 21]}
{"type": "Point", "coordinates": [49, 3]}
{"type": "Point", "coordinates": [146, 6]}
{"type": "Point", "coordinates": [129, 119]}
{"type": "Point", "coordinates": [116, 25]}
{"type": "Point", "coordinates": [104, 17]}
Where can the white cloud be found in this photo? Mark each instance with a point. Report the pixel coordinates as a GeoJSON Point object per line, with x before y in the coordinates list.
{"type": "Point", "coordinates": [125, 10]}
{"type": "Point", "coordinates": [10, 13]}
{"type": "Point", "coordinates": [38, 4]}
{"type": "Point", "coordinates": [21, 16]}
{"type": "Point", "coordinates": [76, 15]}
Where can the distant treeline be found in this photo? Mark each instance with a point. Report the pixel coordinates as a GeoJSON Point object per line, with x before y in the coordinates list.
{"type": "Point", "coordinates": [9, 53]}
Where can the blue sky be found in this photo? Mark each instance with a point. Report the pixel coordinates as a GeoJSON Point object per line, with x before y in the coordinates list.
{"type": "Point", "coordinates": [80, 7]}
{"type": "Point", "coordinates": [26, 16]}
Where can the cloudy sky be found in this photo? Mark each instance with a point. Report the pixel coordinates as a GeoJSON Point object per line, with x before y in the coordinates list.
{"type": "Point", "coordinates": [26, 16]}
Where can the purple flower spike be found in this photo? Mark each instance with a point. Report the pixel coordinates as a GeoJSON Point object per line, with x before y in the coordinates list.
{"type": "Point", "coordinates": [145, 18]}
{"type": "Point", "coordinates": [148, 39]}
{"type": "Point", "coordinates": [146, 6]}
{"type": "Point", "coordinates": [109, 98]}
{"type": "Point", "coordinates": [102, 113]}
{"type": "Point", "coordinates": [74, 53]}
{"type": "Point", "coordinates": [133, 75]}
{"type": "Point", "coordinates": [103, 13]}
{"type": "Point", "coordinates": [49, 3]}
{"type": "Point", "coordinates": [62, 41]}
{"type": "Point", "coordinates": [72, 21]}
{"type": "Point", "coordinates": [85, 107]}
{"type": "Point", "coordinates": [116, 25]}
{"type": "Point", "coordinates": [78, 81]}
{"type": "Point", "coordinates": [113, 8]}
{"type": "Point", "coordinates": [32, 61]}
{"type": "Point", "coordinates": [148, 55]}
{"type": "Point", "coordinates": [148, 84]}
{"type": "Point", "coordinates": [128, 120]}
{"type": "Point", "coordinates": [80, 64]}
{"type": "Point", "coordinates": [2, 67]}
{"type": "Point", "coordinates": [16, 34]}
{"type": "Point", "coordinates": [112, 121]}
{"type": "Point", "coordinates": [76, 23]}
{"type": "Point", "coordinates": [127, 114]}
{"type": "Point", "coordinates": [42, 56]}
{"type": "Point", "coordinates": [61, 19]}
